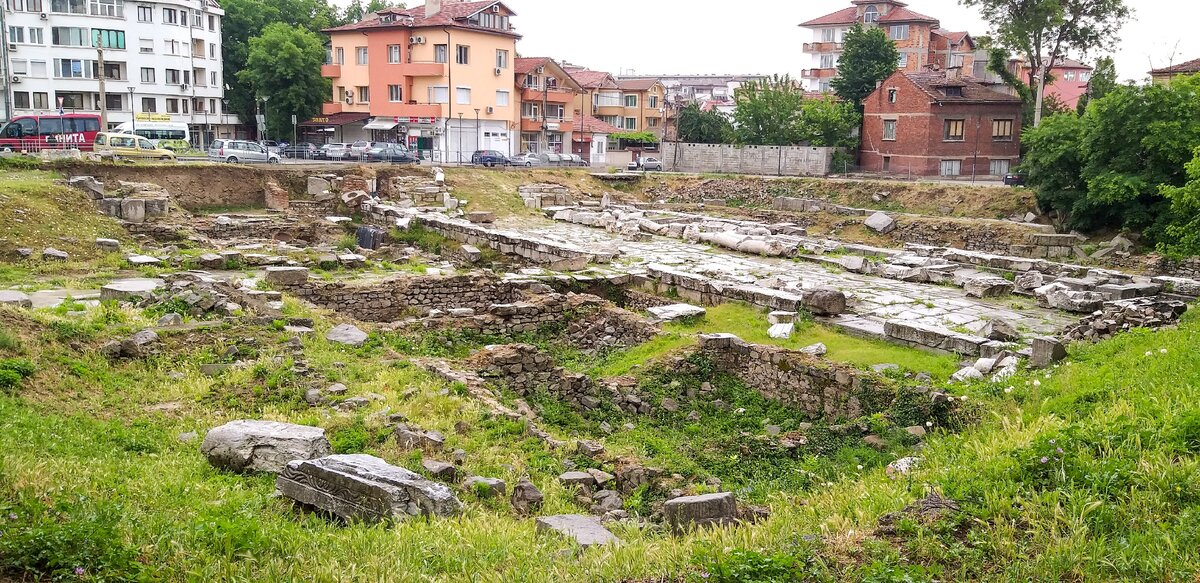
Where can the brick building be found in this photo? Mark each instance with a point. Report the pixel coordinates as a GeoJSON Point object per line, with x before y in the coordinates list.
{"type": "Point", "coordinates": [1164, 75]}
{"type": "Point", "coordinates": [937, 123]}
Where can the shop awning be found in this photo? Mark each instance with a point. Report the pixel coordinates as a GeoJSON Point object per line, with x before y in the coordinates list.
{"type": "Point", "coordinates": [381, 123]}
{"type": "Point", "coordinates": [335, 119]}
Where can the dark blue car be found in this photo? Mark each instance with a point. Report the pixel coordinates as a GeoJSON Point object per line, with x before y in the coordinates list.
{"type": "Point", "coordinates": [489, 158]}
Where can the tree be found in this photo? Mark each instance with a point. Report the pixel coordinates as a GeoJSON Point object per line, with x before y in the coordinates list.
{"type": "Point", "coordinates": [1102, 82]}
{"type": "Point", "coordinates": [827, 122]}
{"type": "Point", "coordinates": [356, 11]}
{"type": "Point", "coordinates": [868, 57]}
{"type": "Point", "coordinates": [1044, 31]}
{"type": "Point", "coordinates": [1183, 230]}
{"type": "Point", "coordinates": [703, 127]}
{"type": "Point", "coordinates": [768, 112]}
{"type": "Point", "coordinates": [246, 18]}
{"type": "Point", "coordinates": [1053, 159]}
{"type": "Point", "coordinates": [284, 64]}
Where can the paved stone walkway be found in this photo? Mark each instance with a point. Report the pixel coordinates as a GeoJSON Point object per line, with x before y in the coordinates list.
{"type": "Point", "coordinates": [871, 296]}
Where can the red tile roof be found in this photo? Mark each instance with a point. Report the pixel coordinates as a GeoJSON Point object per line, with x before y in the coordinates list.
{"type": "Point", "coordinates": [954, 37]}
{"type": "Point", "coordinates": [933, 83]}
{"type": "Point", "coordinates": [524, 65]}
{"type": "Point", "coordinates": [452, 14]}
{"type": "Point", "coordinates": [1188, 67]}
{"type": "Point", "coordinates": [589, 79]}
{"type": "Point", "coordinates": [636, 84]}
{"type": "Point", "coordinates": [591, 125]}
{"type": "Point", "coordinates": [843, 16]}
{"type": "Point", "coordinates": [900, 14]}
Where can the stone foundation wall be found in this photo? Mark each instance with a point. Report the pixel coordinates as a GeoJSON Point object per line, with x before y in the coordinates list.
{"type": "Point", "coordinates": [818, 387]}
{"type": "Point", "coordinates": [772, 160]}
{"type": "Point", "coordinates": [663, 281]}
{"type": "Point", "coordinates": [537, 196]}
{"type": "Point", "coordinates": [554, 255]}
{"type": "Point", "coordinates": [392, 299]}
{"type": "Point", "coordinates": [524, 369]}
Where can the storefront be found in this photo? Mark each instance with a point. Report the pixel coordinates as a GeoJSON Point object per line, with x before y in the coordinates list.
{"type": "Point", "coordinates": [337, 127]}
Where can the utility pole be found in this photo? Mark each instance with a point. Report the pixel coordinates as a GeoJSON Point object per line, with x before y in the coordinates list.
{"type": "Point", "coordinates": [8, 107]}
{"type": "Point", "coordinates": [1037, 110]}
{"type": "Point", "coordinates": [103, 96]}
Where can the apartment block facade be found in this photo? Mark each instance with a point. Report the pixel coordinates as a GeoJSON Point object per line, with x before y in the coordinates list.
{"type": "Point", "coordinates": [161, 61]}
{"type": "Point", "coordinates": [936, 123]}
{"type": "Point", "coordinates": [631, 105]}
{"type": "Point", "coordinates": [437, 77]}
{"type": "Point", "coordinates": [919, 39]}
{"type": "Point", "coordinates": [547, 115]}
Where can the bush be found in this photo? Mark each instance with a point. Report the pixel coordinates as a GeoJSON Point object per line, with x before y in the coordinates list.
{"type": "Point", "coordinates": [744, 566]}
{"type": "Point", "coordinates": [69, 541]}
{"type": "Point", "coordinates": [13, 371]}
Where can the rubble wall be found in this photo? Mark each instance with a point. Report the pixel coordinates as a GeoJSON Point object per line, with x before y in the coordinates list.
{"type": "Point", "coordinates": [392, 299]}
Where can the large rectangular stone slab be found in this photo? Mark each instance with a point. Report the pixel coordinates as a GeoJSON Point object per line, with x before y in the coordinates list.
{"type": "Point", "coordinates": [365, 488]}
{"type": "Point", "coordinates": [688, 512]}
{"type": "Point", "coordinates": [584, 530]}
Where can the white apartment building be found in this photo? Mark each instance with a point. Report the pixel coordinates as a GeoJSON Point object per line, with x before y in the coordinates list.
{"type": "Point", "coordinates": [161, 61]}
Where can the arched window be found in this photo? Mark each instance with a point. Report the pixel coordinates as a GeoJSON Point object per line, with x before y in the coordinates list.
{"type": "Point", "coordinates": [871, 14]}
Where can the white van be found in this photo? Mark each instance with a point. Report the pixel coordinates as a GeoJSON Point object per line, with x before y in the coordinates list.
{"type": "Point", "coordinates": [174, 134]}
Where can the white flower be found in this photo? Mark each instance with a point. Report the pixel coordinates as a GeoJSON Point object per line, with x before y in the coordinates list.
{"type": "Point", "coordinates": [860, 466]}
{"type": "Point", "coordinates": [964, 398]}
{"type": "Point", "coordinates": [1037, 383]}
{"type": "Point", "coordinates": [1148, 353]}
{"type": "Point", "coordinates": [1162, 350]}
{"type": "Point", "coordinates": [1008, 390]}
{"type": "Point", "coordinates": [929, 424]}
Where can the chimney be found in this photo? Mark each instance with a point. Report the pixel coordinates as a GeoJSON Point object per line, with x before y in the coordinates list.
{"type": "Point", "coordinates": [953, 72]}
{"type": "Point", "coordinates": [432, 7]}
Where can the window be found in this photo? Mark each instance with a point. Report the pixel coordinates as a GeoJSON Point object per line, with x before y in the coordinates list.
{"type": "Point", "coordinates": [898, 32]}
{"type": "Point", "coordinates": [439, 94]}
{"type": "Point", "coordinates": [197, 104]}
{"type": "Point", "coordinates": [171, 76]}
{"type": "Point", "coordinates": [887, 163]}
{"type": "Point", "coordinates": [652, 122]}
{"type": "Point", "coordinates": [69, 6]}
{"type": "Point", "coordinates": [70, 100]}
{"type": "Point", "coordinates": [339, 55]}
{"type": "Point", "coordinates": [360, 55]}
{"type": "Point", "coordinates": [183, 17]}
{"type": "Point", "coordinates": [64, 36]}
{"type": "Point", "coordinates": [172, 47]}
{"type": "Point", "coordinates": [871, 14]}
{"type": "Point", "coordinates": [828, 61]}
{"type": "Point", "coordinates": [825, 86]}
{"type": "Point", "coordinates": [172, 105]}
{"type": "Point", "coordinates": [502, 98]}
{"type": "Point", "coordinates": [145, 13]}
{"type": "Point", "coordinates": [149, 104]}
{"type": "Point", "coordinates": [631, 100]}
{"type": "Point", "coordinates": [892, 95]}
{"type": "Point", "coordinates": [393, 54]}
{"type": "Point", "coordinates": [197, 20]}
{"type": "Point", "coordinates": [37, 69]}
{"type": "Point", "coordinates": [184, 103]}
{"type": "Point", "coordinates": [954, 130]}
{"type": "Point", "coordinates": [529, 110]}
{"type": "Point", "coordinates": [35, 36]}
{"type": "Point", "coordinates": [653, 102]}
{"type": "Point", "coordinates": [828, 35]}
{"type": "Point", "coordinates": [145, 45]}
{"type": "Point", "coordinates": [395, 93]}
{"type": "Point", "coordinates": [72, 68]}
{"type": "Point", "coordinates": [19, 67]}
{"type": "Point", "coordinates": [41, 100]}
{"type": "Point", "coordinates": [462, 55]}
{"type": "Point", "coordinates": [113, 71]}
{"type": "Point", "coordinates": [999, 167]}
{"type": "Point", "coordinates": [953, 91]}
{"type": "Point", "coordinates": [1068, 75]}
{"type": "Point", "coordinates": [440, 53]}
{"type": "Point", "coordinates": [903, 62]}
{"type": "Point", "coordinates": [501, 59]}
{"type": "Point", "coordinates": [555, 111]}
{"type": "Point", "coordinates": [951, 168]}
{"type": "Point", "coordinates": [529, 143]}
{"type": "Point", "coordinates": [1085, 76]}
{"type": "Point", "coordinates": [110, 8]}
{"type": "Point", "coordinates": [112, 102]}
{"type": "Point", "coordinates": [16, 34]}
{"type": "Point", "coordinates": [1002, 130]}
{"type": "Point", "coordinates": [108, 39]}
{"type": "Point", "coordinates": [889, 130]}
{"type": "Point", "coordinates": [170, 16]}
{"type": "Point", "coordinates": [462, 95]}
{"type": "Point", "coordinates": [212, 23]}
{"type": "Point", "coordinates": [364, 94]}
{"type": "Point", "coordinates": [21, 99]}
{"type": "Point", "coordinates": [212, 79]}
{"type": "Point", "coordinates": [212, 50]}
{"type": "Point", "coordinates": [631, 123]}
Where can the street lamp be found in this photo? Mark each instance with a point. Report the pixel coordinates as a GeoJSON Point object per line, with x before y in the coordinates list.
{"type": "Point", "coordinates": [460, 137]}
{"type": "Point", "coordinates": [132, 112]}
{"type": "Point", "coordinates": [478, 141]}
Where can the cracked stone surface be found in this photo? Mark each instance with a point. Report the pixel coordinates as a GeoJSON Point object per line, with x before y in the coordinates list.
{"type": "Point", "coordinates": [871, 297]}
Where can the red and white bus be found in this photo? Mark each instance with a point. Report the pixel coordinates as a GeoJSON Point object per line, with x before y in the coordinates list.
{"type": "Point", "coordinates": [31, 133]}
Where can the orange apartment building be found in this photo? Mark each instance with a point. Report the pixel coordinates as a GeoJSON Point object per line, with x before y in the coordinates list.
{"type": "Point", "coordinates": [919, 38]}
{"type": "Point", "coordinates": [631, 105]}
{"type": "Point", "coordinates": [438, 77]}
{"type": "Point", "coordinates": [547, 117]}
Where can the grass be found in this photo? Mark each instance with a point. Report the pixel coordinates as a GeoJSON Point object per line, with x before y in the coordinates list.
{"type": "Point", "coordinates": [36, 213]}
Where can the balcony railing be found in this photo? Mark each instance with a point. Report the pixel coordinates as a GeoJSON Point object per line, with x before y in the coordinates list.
{"type": "Point", "coordinates": [822, 47]}
{"type": "Point", "coordinates": [826, 73]}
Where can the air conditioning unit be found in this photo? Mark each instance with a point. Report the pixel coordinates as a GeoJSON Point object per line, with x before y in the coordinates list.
{"type": "Point", "coordinates": [416, 40]}
{"type": "Point", "coordinates": [16, 79]}
{"type": "Point", "coordinates": [44, 16]}
{"type": "Point", "coordinates": [183, 86]}
{"type": "Point", "coordinates": [498, 71]}
{"type": "Point", "coordinates": [496, 8]}
{"type": "Point", "coordinates": [349, 98]}
{"type": "Point", "coordinates": [539, 70]}
{"type": "Point", "coordinates": [491, 110]}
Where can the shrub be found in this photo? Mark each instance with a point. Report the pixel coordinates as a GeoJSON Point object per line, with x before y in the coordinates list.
{"type": "Point", "coordinates": [744, 566]}
{"type": "Point", "coordinates": [69, 541]}
{"type": "Point", "coordinates": [13, 371]}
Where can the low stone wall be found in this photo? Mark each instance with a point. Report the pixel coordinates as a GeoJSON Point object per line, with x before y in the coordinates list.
{"type": "Point", "coordinates": [554, 255]}
{"type": "Point", "coordinates": [939, 339]}
{"type": "Point", "coordinates": [537, 196]}
{"type": "Point", "coordinates": [525, 369]}
{"type": "Point", "coordinates": [391, 299]}
{"type": "Point", "coordinates": [772, 160]}
{"type": "Point", "coordinates": [662, 280]}
{"type": "Point", "coordinates": [818, 387]}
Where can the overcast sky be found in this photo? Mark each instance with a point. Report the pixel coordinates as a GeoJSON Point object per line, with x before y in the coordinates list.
{"type": "Point", "coordinates": [761, 36]}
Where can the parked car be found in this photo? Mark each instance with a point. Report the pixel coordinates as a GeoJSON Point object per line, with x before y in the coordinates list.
{"type": "Point", "coordinates": [646, 164]}
{"type": "Point", "coordinates": [574, 160]}
{"type": "Point", "coordinates": [335, 151]}
{"type": "Point", "coordinates": [526, 159]}
{"type": "Point", "coordinates": [1014, 179]}
{"type": "Point", "coordinates": [241, 151]}
{"type": "Point", "coordinates": [393, 153]}
{"type": "Point", "coordinates": [303, 151]}
{"type": "Point", "coordinates": [552, 158]}
{"type": "Point", "coordinates": [489, 158]}
{"type": "Point", "coordinates": [359, 149]}
{"type": "Point", "coordinates": [270, 145]}
{"type": "Point", "coordinates": [129, 146]}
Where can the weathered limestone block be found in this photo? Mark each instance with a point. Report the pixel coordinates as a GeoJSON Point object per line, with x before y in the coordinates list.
{"type": "Point", "coordinates": [128, 289]}
{"type": "Point", "coordinates": [688, 512]}
{"type": "Point", "coordinates": [1047, 351]}
{"type": "Point", "coordinates": [584, 530]}
{"type": "Point", "coordinates": [824, 301]}
{"type": "Point", "coordinates": [676, 311]}
{"type": "Point", "coordinates": [287, 275]}
{"type": "Point", "coordinates": [881, 223]}
{"type": "Point", "coordinates": [347, 334]}
{"type": "Point", "coordinates": [15, 298]}
{"type": "Point", "coordinates": [365, 488]}
{"type": "Point", "coordinates": [987, 287]}
{"type": "Point", "coordinates": [262, 446]}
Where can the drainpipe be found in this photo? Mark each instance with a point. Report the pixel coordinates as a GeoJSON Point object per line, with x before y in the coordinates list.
{"type": "Point", "coordinates": [449, 98]}
{"type": "Point", "coordinates": [4, 66]}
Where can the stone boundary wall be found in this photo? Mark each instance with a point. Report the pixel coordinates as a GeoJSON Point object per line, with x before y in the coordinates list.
{"type": "Point", "coordinates": [772, 160]}
{"type": "Point", "coordinates": [662, 281]}
{"type": "Point", "coordinates": [818, 387]}
{"type": "Point", "coordinates": [524, 369]}
{"type": "Point", "coordinates": [392, 299]}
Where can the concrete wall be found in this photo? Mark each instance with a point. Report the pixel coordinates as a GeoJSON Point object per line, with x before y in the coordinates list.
{"type": "Point", "coordinates": [772, 160]}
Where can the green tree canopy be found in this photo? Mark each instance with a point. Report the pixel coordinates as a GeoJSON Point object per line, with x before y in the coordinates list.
{"type": "Point", "coordinates": [768, 112]}
{"type": "Point", "coordinates": [1102, 82]}
{"type": "Point", "coordinates": [1183, 230]}
{"type": "Point", "coordinates": [827, 122]}
{"type": "Point", "coordinates": [868, 57]}
{"type": "Point", "coordinates": [284, 65]}
{"type": "Point", "coordinates": [356, 10]}
{"type": "Point", "coordinates": [703, 127]}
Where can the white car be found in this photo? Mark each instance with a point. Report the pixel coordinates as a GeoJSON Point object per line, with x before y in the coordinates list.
{"type": "Point", "coordinates": [646, 164]}
{"type": "Point", "coordinates": [335, 151]}
{"type": "Point", "coordinates": [526, 159]}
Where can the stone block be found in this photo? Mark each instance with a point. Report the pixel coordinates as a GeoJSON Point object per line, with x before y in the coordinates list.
{"type": "Point", "coordinates": [780, 317]}
{"type": "Point", "coordinates": [262, 446]}
{"type": "Point", "coordinates": [347, 334]}
{"type": "Point", "coordinates": [15, 298]}
{"type": "Point", "coordinates": [52, 254]}
{"type": "Point", "coordinates": [287, 275]}
{"type": "Point", "coordinates": [108, 245]}
{"type": "Point", "coordinates": [133, 210]}
{"type": "Point", "coordinates": [365, 488]}
{"type": "Point", "coordinates": [881, 223]}
{"type": "Point", "coordinates": [687, 512]}
{"type": "Point", "coordinates": [586, 531]}
{"type": "Point", "coordinates": [824, 301]}
{"type": "Point", "coordinates": [1047, 351]}
{"type": "Point", "coordinates": [472, 253]}
{"type": "Point", "coordinates": [126, 289]}
{"type": "Point", "coordinates": [317, 185]}
{"type": "Point", "coordinates": [676, 311]}
{"type": "Point", "coordinates": [781, 331]}
{"type": "Point", "coordinates": [987, 287]}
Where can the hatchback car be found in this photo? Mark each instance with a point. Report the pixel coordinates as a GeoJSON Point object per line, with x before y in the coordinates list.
{"type": "Point", "coordinates": [129, 146]}
{"type": "Point", "coordinates": [646, 164]}
{"type": "Point", "coordinates": [489, 158]}
{"type": "Point", "coordinates": [359, 149]}
{"type": "Point", "coordinates": [303, 151]}
{"type": "Point", "coordinates": [526, 159]}
{"type": "Point", "coordinates": [1014, 179]}
{"type": "Point", "coordinates": [335, 151]}
{"type": "Point", "coordinates": [240, 151]}
{"type": "Point", "coordinates": [393, 153]}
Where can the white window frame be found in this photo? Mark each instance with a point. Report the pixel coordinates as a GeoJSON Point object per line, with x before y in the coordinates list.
{"type": "Point", "coordinates": [898, 32]}
{"type": "Point", "coordinates": [503, 98]}
{"type": "Point", "coordinates": [394, 57]}
{"type": "Point", "coordinates": [460, 97]}
{"type": "Point", "coordinates": [889, 130]}
{"type": "Point", "coordinates": [439, 94]}
{"type": "Point", "coordinates": [395, 94]}
{"type": "Point", "coordinates": [361, 55]}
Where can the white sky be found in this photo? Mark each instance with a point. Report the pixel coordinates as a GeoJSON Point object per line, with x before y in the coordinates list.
{"type": "Point", "coordinates": [762, 36]}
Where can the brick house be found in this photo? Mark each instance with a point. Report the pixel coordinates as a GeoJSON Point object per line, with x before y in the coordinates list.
{"type": "Point", "coordinates": [1164, 75]}
{"type": "Point", "coordinates": [937, 123]}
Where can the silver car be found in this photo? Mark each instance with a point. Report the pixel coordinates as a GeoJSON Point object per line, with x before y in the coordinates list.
{"type": "Point", "coordinates": [240, 151]}
{"type": "Point", "coordinates": [335, 151]}
{"type": "Point", "coordinates": [526, 159]}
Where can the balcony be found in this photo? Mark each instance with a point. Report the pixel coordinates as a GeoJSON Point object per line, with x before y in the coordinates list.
{"type": "Point", "coordinates": [330, 108]}
{"type": "Point", "coordinates": [406, 110]}
{"type": "Point", "coordinates": [417, 69]}
{"type": "Point", "coordinates": [827, 73]}
{"type": "Point", "coordinates": [823, 47]}
{"type": "Point", "coordinates": [331, 71]}
{"type": "Point", "coordinates": [535, 125]}
{"type": "Point", "coordinates": [533, 94]}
